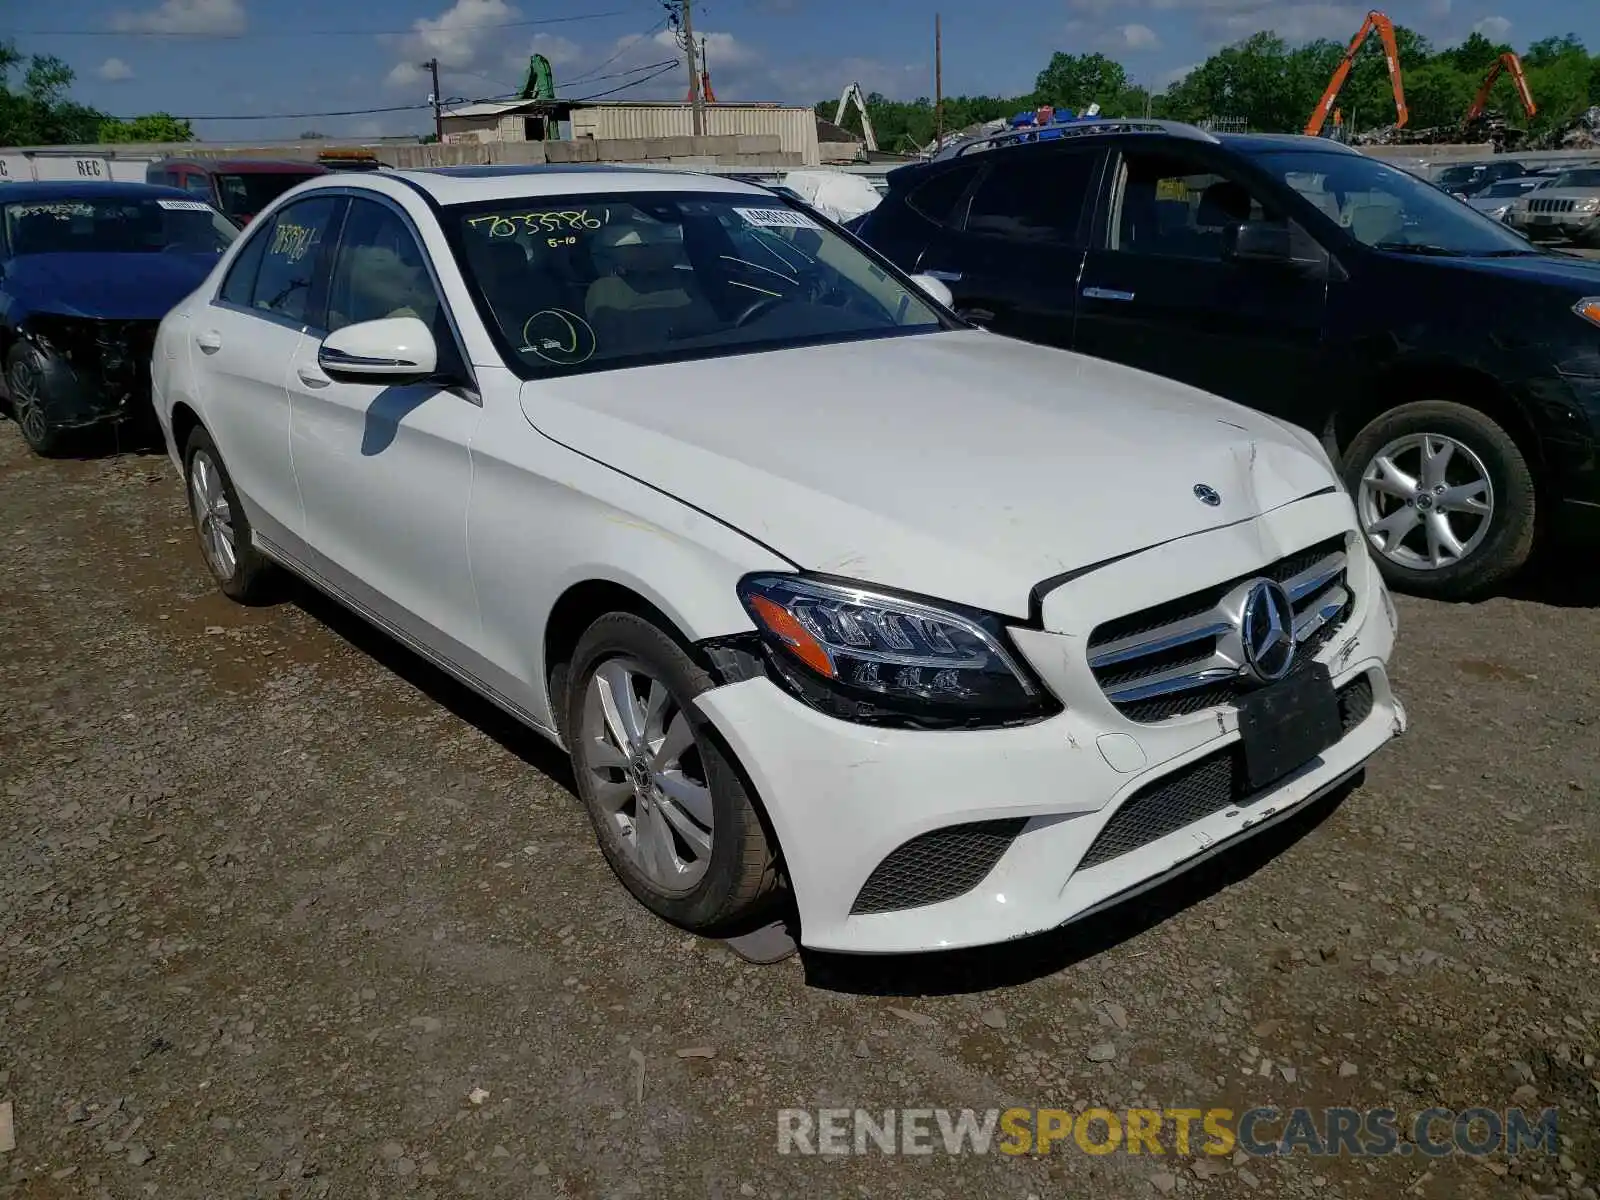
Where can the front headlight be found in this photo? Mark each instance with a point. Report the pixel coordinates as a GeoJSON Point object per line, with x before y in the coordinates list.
{"type": "Point", "coordinates": [865, 655]}
{"type": "Point", "coordinates": [1589, 309]}
{"type": "Point", "coordinates": [1499, 214]}
{"type": "Point", "coordinates": [1592, 204]}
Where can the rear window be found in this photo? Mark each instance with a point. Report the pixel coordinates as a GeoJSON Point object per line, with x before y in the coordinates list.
{"type": "Point", "coordinates": [938, 197]}
{"type": "Point", "coordinates": [1033, 197]}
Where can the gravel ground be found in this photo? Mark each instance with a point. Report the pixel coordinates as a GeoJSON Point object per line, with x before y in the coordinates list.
{"type": "Point", "coordinates": [285, 913]}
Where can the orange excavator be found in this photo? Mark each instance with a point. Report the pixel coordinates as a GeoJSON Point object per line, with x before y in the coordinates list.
{"type": "Point", "coordinates": [1377, 23]}
{"type": "Point", "coordinates": [1506, 62]}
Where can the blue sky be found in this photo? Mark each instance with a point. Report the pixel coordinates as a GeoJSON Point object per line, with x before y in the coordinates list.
{"type": "Point", "coordinates": [225, 57]}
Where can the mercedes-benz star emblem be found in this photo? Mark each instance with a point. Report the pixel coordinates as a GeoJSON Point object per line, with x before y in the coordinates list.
{"type": "Point", "coordinates": [1207, 494]}
{"type": "Point", "coordinates": [1266, 631]}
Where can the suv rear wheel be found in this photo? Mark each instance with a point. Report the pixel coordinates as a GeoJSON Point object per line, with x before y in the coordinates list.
{"type": "Point", "coordinates": [1445, 497]}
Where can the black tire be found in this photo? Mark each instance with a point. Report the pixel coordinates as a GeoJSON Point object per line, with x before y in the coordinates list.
{"type": "Point", "coordinates": [1506, 546]}
{"type": "Point", "coordinates": [27, 376]}
{"type": "Point", "coordinates": [253, 576]}
{"type": "Point", "coordinates": [742, 875]}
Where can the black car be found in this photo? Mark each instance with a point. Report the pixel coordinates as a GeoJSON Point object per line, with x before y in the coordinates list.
{"type": "Point", "coordinates": [1465, 180]}
{"type": "Point", "coordinates": [87, 271]}
{"type": "Point", "coordinates": [1452, 368]}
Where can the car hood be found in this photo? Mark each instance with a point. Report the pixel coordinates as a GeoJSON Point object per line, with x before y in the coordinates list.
{"type": "Point", "coordinates": [1539, 267]}
{"type": "Point", "coordinates": [959, 465]}
{"type": "Point", "coordinates": [1549, 193]}
{"type": "Point", "coordinates": [111, 286]}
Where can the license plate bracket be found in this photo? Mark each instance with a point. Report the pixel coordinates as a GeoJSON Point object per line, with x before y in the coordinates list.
{"type": "Point", "coordinates": [1284, 726]}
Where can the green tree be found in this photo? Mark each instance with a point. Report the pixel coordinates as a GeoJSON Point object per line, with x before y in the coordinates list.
{"type": "Point", "coordinates": [153, 127]}
{"type": "Point", "coordinates": [38, 113]}
{"type": "Point", "coordinates": [1076, 81]}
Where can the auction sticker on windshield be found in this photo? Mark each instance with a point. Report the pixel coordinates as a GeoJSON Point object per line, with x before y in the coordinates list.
{"type": "Point", "coordinates": [777, 218]}
{"type": "Point", "coordinates": [185, 205]}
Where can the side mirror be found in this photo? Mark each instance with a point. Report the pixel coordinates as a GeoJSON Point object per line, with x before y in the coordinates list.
{"type": "Point", "coordinates": [937, 289]}
{"type": "Point", "coordinates": [392, 350]}
{"type": "Point", "coordinates": [1258, 242]}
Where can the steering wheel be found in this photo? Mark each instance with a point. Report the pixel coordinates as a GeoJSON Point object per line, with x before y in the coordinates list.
{"type": "Point", "coordinates": [758, 308]}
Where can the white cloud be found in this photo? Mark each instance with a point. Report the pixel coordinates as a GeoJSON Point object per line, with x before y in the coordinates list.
{"type": "Point", "coordinates": [204, 18]}
{"type": "Point", "coordinates": [114, 70]}
{"type": "Point", "coordinates": [1137, 37]}
{"type": "Point", "coordinates": [1177, 75]}
{"type": "Point", "coordinates": [457, 37]}
{"type": "Point", "coordinates": [1493, 28]}
{"type": "Point", "coordinates": [558, 50]}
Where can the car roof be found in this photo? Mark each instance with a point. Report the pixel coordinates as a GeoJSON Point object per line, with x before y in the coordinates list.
{"type": "Point", "coordinates": [471, 185]}
{"type": "Point", "coordinates": [75, 189]}
{"type": "Point", "coordinates": [1269, 143]}
{"type": "Point", "coordinates": [245, 166]}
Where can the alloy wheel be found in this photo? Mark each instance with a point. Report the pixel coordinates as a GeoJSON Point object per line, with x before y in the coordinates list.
{"type": "Point", "coordinates": [647, 773]}
{"type": "Point", "coordinates": [26, 405]}
{"type": "Point", "coordinates": [213, 515]}
{"type": "Point", "coordinates": [1426, 501]}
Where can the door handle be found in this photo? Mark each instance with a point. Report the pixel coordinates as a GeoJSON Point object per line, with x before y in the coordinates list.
{"type": "Point", "coordinates": [312, 378]}
{"type": "Point", "coordinates": [210, 341]}
{"type": "Point", "coordinates": [1097, 293]}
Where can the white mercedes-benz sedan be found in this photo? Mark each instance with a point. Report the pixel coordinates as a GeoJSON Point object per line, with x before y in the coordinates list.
{"type": "Point", "coordinates": [950, 637]}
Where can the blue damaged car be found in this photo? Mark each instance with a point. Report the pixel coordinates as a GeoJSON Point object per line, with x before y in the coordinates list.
{"type": "Point", "coordinates": [87, 271]}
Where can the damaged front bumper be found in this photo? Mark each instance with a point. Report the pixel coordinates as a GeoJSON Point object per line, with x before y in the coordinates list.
{"type": "Point", "coordinates": [94, 371]}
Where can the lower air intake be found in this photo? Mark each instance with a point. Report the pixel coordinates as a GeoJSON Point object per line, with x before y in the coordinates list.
{"type": "Point", "coordinates": [936, 866]}
{"type": "Point", "coordinates": [1205, 786]}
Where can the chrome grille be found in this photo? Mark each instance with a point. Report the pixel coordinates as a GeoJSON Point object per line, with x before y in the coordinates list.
{"type": "Point", "coordinates": [1206, 786]}
{"type": "Point", "coordinates": [936, 866]}
{"type": "Point", "coordinates": [1179, 657]}
{"type": "Point", "coordinates": [1552, 206]}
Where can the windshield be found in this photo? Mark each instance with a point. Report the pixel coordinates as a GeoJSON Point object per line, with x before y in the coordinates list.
{"type": "Point", "coordinates": [117, 226]}
{"type": "Point", "coordinates": [1578, 179]}
{"type": "Point", "coordinates": [586, 283]}
{"type": "Point", "coordinates": [1452, 175]}
{"type": "Point", "coordinates": [246, 195]}
{"type": "Point", "coordinates": [1514, 188]}
{"type": "Point", "coordinates": [1386, 208]}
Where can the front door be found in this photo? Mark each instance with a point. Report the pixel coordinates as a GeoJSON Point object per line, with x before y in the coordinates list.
{"type": "Point", "coordinates": [1162, 291]}
{"type": "Point", "coordinates": [384, 469]}
{"type": "Point", "coordinates": [1013, 265]}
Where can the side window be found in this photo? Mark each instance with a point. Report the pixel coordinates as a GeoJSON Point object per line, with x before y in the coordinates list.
{"type": "Point", "coordinates": [240, 284]}
{"type": "Point", "coordinates": [380, 271]}
{"type": "Point", "coordinates": [1034, 196]}
{"type": "Point", "coordinates": [197, 185]}
{"type": "Point", "coordinates": [938, 197]}
{"type": "Point", "coordinates": [1173, 208]}
{"type": "Point", "coordinates": [288, 263]}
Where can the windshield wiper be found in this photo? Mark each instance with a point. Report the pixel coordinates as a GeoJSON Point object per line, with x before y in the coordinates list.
{"type": "Point", "coordinates": [1420, 248]}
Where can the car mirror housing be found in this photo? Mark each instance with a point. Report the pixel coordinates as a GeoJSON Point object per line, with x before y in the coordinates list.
{"type": "Point", "coordinates": [936, 289]}
{"type": "Point", "coordinates": [1259, 241]}
{"type": "Point", "coordinates": [392, 349]}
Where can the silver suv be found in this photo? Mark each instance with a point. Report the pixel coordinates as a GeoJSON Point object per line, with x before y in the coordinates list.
{"type": "Point", "coordinates": [1565, 209]}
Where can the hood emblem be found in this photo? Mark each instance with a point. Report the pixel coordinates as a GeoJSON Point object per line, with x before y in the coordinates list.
{"type": "Point", "coordinates": [1207, 494]}
{"type": "Point", "coordinates": [1266, 631]}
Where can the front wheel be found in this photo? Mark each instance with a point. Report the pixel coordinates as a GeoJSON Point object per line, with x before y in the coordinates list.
{"type": "Point", "coordinates": [671, 812]}
{"type": "Point", "coordinates": [27, 377]}
{"type": "Point", "coordinates": [1445, 497]}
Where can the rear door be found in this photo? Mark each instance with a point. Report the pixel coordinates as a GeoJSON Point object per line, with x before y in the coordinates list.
{"type": "Point", "coordinates": [1013, 261]}
{"type": "Point", "coordinates": [1161, 291]}
{"type": "Point", "coordinates": [243, 345]}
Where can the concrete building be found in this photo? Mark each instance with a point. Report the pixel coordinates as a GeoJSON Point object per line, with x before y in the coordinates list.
{"type": "Point", "coordinates": [794, 128]}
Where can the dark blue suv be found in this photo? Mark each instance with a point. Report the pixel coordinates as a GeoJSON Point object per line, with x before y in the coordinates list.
{"type": "Point", "coordinates": [1451, 367]}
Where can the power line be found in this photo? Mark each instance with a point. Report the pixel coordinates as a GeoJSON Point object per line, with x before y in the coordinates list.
{"type": "Point", "coordinates": [296, 33]}
{"type": "Point", "coordinates": [455, 102]}
{"type": "Point", "coordinates": [626, 46]}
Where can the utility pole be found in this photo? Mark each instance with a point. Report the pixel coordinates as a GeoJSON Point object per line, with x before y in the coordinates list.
{"type": "Point", "coordinates": [938, 79]}
{"type": "Point", "coordinates": [696, 100]}
{"type": "Point", "coordinates": [432, 67]}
